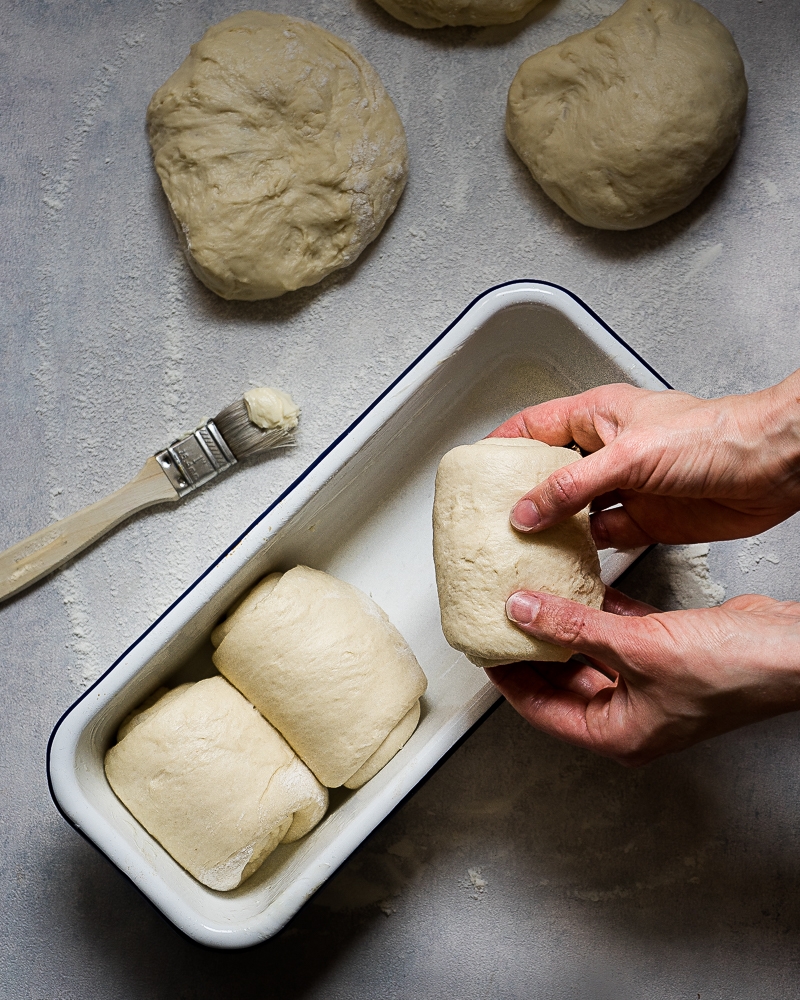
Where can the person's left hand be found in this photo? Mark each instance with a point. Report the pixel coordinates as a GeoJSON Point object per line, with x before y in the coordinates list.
{"type": "Point", "coordinates": [656, 682]}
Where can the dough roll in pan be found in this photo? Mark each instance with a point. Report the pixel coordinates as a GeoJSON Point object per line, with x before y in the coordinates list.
{"type": "Point", "coordinates": [212, 781]}
{"type": "Point", "coordinates": [323, 663]}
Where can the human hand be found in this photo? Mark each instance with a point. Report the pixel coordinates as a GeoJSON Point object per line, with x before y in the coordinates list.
{"type": "Point", "coordinates": [656, 682]}
{"type": "Point", "coordinates": [684, 469]}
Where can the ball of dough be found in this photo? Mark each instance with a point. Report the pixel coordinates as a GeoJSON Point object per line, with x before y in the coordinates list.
{"type": "Point", "coordinates": [280, 152]}
{"type": "Point", "coordinates": [626, 123]}
{"type": "Point", "coordinates": [212, 781]}
{"type": "Point", "coordinates": [438, 13]}
{"type": "Point", "coordinates": [481, 560]}
{"type": "Point", "coordinates": [324, 664]}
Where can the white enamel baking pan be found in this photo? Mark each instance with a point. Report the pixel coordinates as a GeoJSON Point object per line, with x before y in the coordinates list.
{"type": "Point", "coordinates": [361, 511]}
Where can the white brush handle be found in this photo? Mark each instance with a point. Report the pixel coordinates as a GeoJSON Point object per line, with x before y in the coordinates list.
{"type": "Point", "coordinates": [28, 561]}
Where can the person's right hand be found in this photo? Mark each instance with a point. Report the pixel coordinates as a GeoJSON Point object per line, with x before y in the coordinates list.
{"type": "Point", "coordinates": [684, 469]}
{"type": "Point", "coordinates": [655, 682]}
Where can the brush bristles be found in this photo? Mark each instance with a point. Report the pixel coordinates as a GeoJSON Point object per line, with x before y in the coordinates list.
{"type": "Point", "coordinates": [243, 437]}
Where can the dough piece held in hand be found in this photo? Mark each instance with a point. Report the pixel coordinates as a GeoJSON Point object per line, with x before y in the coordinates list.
{"type": "Point", "coordinates": [481, 560]}
{"type": "Point", "coordinates": [280, 153]}
{"type": "Point", "coordinates": [213, 782]}
{"type": "Point", "coordinates": [626, 123]}
{"type": "Point", "coordinates": [324, 664]}
{"type": "Point", "coordinates": [438, 13]}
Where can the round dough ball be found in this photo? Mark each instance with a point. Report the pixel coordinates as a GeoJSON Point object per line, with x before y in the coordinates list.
{"type": "Point", "coordinates": [280, 152]}
{"type": "Point", "coordinates": [438, 13]}
{"type": "Point", "coordinates": [626, 123]}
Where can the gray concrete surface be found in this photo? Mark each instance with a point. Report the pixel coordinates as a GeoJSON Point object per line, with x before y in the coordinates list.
{"type": "Point", "coordinates": [523, 868]}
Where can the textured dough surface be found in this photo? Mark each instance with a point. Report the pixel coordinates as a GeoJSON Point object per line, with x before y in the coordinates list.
{"type": "Point", "coordinates": [280, 153]}
{"type": "Point", "coordinates": [481, 560]}
{"type": "Point", "coordinates": [323, 663]}
{"type": "Point", "coordinates": [626, 123]}
{"type": "Point", "coordinates": [395, 741]}
{"type": "Point", "coordinates": [159, 699]}
{"type": "Point", "coordinates": [242, 608]}
{"type": "Point", "coordinates": [213, 782]}
{"type": "Point", "coordinates": [438, 13]}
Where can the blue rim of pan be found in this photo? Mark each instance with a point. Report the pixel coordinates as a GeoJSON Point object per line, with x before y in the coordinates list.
{"type": "Point", "coordinates": [289, 489]}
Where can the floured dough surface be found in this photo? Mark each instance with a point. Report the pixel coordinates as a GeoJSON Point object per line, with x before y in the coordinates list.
{"type": "Point", "coordinates": [626, 123]}
{"type": "Point", "coordinates": [280, 153]}
{"type": "Point", "coordinates": [438, 13]}
{"type": "Point", "coordinates": [323, 663]}
{"type": "Point", "coordinates": [481, 560]}
{"type": "Point", "coordinates": [213, 782]}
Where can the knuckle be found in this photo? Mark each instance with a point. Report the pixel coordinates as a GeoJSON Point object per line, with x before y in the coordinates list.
{"type": "Point", "coordinates": [562, 487]}
{"type": "Point", "coordinates": [635, 751]}
{"type": "Point", "coordinates": [631, 450]}
{"type": "Point", "coordinates": [645, 641]}
{"type": "Point", "coordinates": [568, 627]}
{"type": "Point", "coordinates": [600, 530]}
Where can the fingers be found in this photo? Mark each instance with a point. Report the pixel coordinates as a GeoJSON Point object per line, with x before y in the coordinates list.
{"type": "Point", "coordinates": [517, 426]}
{"type": "Point", "coordinates": [546, 422]}
{"type": "Point", "coordinates": [559, 713]}
{"type": "Point", "coordinates": [617, 603]}
{"type": "Point", "coordinates": [589, 418]}
{"type": "Point", "coordinates": [616, 639]}
{"type": "Point", "coordinates": [580, 678]}
{"type": "Point", "coordinates": [616, 529]}
{"type": "Point", "coordinates": [612, 499]}
{"type": "Point", "coordinates": [569, 490]}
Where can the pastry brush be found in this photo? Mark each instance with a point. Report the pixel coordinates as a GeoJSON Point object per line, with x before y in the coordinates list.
{"type": "Point", "coordinates": [167, 476]}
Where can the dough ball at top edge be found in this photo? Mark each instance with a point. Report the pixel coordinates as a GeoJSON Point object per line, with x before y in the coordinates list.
{"type": "Point", "coordinates": [626, 123]}
{"type": "Point", "coordinates": [279, 151]}
{"type": "Point", "coordinates": [453, 13]}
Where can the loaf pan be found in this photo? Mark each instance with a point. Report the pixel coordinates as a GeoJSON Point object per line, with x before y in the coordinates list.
{"type": "Point", "coordinates": [361, 511]}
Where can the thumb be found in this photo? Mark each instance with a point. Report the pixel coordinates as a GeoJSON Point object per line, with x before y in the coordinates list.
{"type": "Point", "coordinates": [616, 639]}
{"type": "Point", "coordinates": [569, 490]}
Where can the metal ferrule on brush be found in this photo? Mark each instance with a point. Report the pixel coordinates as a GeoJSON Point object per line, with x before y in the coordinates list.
{"type": "Point", "coordinates": [196, 459]}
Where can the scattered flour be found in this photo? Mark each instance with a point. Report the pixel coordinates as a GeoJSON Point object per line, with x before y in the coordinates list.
{"type": "Point", "coordinates": [598, 8]}
{"type": "Point", "coordinates": [176, 392]}
{"type": "Point", "coordinates": [703, 259]}
{"type": "Point", "coordinates": [84, 666]}
{"type": "Point", "coordinates": [402, 849]}
{"type": "Point", "coordinates": [675, 578]}
{"type": "Point", "coordinates": [475, 882]}
{"type": "Point", "coordinates": [771, 190]}
{"type": "Point", "coordinates": [753, 552]}
{"type": "Point", "coordinates": [690, 577]}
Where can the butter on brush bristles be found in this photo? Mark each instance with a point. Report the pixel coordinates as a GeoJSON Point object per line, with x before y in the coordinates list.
{"type": "Point", "coordinates": [272, 409]}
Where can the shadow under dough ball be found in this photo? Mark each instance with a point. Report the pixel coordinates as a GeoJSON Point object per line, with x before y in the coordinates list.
{"type": "Point", "coordinates": [442, 13]}
{"type": "Point", "coordinates": [280, 153]}
{"type": "Point", "coordinates": [626, 123]}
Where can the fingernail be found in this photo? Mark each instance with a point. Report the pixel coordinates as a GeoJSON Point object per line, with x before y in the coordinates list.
{"type": "Point", "coordinates": [522, 609]}
{"type": "Point", "coordinates": [525, 515]}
